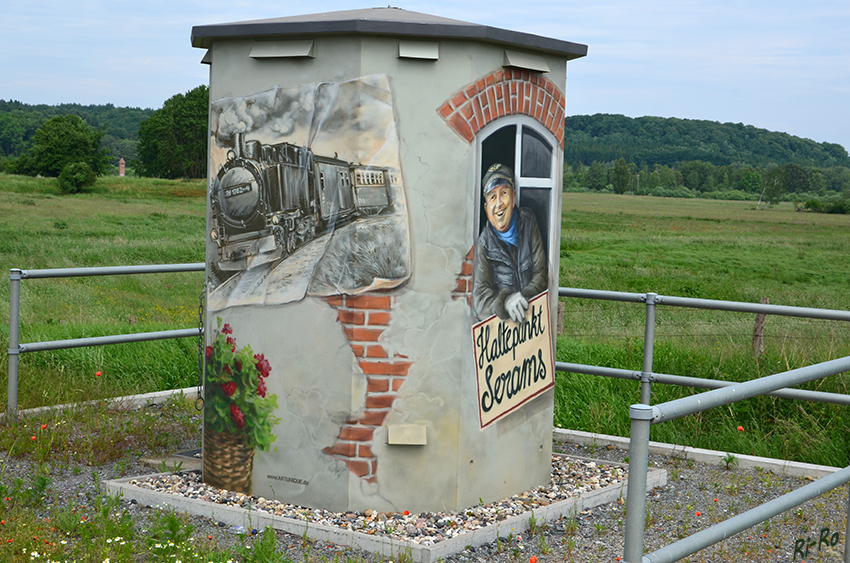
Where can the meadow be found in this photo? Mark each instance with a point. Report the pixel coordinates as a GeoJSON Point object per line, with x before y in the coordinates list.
{"type": "Point", "coordinates": [686, 247]}
{"type": "Point", "coordinates": [722, 250]}
{"type": "Point", "coordinates": [122, 221]}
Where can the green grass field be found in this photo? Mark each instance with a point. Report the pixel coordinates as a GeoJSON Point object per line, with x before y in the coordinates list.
{"type": "Point", "coordinates": [713, 250]}
{"type": "Point", "coordinates": [121, 221]}
{"type": "Point", "coordinates": [694, 248]}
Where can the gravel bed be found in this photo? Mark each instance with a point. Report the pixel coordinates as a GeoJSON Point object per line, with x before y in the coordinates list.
{"type": "Point", "coordinates": [697, 495]}
{"type": "Point", "coordinates": [570, 478]}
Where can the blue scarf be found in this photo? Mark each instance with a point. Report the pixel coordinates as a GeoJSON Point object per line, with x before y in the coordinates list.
{"type": "Point", "coordinates": [509, 236]}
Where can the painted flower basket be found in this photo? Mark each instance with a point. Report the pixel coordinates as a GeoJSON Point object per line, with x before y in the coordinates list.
{"type": "Point", "coordinates": [238, 415]}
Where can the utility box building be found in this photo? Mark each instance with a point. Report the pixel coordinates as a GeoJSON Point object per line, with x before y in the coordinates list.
{"type": "Point", "coordinates": [382, 250]}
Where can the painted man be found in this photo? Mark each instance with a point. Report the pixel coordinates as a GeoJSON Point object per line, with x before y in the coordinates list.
{"type": "Point", "coordinates": [510, 262]}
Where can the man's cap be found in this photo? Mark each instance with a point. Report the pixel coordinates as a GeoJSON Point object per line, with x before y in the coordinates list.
{"type": "Point", "coordinates": [497, 175]}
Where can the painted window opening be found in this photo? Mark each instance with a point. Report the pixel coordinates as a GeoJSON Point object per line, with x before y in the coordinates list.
{"type": "Point", "coordinates": [510, 288]}
{"type": "Point", "coordinates": [521, 142]}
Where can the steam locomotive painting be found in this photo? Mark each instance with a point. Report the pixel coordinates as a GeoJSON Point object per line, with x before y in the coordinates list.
{"type": "Point", "coordinates": [275, 198]}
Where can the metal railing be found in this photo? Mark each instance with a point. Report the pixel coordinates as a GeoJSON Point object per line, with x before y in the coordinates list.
{"type": "Point", "coordinates": [16, 348]}
{"type": "Point", "coordinates": [724, 393]}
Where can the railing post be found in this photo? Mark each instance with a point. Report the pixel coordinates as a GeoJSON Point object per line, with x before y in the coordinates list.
{"type": "Point", "coordinates": [14, 350]}
{"type": "Point", "coordinates": [641, 416]}
{"type": "Point", "coordinates": [648, 346]}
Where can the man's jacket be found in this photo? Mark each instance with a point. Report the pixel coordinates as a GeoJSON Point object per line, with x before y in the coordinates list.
{"type": "Point", "coordinates": [502, 269]}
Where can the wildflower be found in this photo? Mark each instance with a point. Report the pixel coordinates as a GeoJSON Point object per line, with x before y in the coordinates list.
{"type": "Point", "coordinates": [532, 559]}
{"type": "Point", "coordinates": [740, 429]}
{"type": "Point", "coordinates": [32, 437]}
{"type": "Point", "coordinates": [715, 500]}
{"type": "Point", "coordinates": [407, 513]}
{"type": "Point", "coordinates": [97, 374]}
{"type": "Point", "coordinates": [697, 513]}
{"type": "Point", "coordinates": [44, 427]}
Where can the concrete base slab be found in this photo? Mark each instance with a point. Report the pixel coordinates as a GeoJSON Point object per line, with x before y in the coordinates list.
{"type": "Point", "coordinates": [253, 519]}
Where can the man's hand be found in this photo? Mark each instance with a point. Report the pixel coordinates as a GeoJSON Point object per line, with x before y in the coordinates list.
{"type": "Point", "coordinates": [516, 305]}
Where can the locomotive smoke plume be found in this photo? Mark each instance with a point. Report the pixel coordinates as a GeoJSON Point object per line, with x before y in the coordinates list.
{"type": "Point", "coordinates": [273, 113]}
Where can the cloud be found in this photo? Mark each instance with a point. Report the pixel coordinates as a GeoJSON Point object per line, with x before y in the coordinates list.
{"type": "Point", "coordinates": [763, 61]}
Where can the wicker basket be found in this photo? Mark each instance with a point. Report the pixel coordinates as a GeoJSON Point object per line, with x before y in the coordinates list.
{"type": "Point", "coordinates": [227, 461]}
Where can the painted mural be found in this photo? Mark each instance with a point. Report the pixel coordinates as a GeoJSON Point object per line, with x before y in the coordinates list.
{"type": "Point", "coordinates": [512, 342]}
{"type": "Point", "coordinates": [307, 197]}
{"type": "Point", "coordinates": [238, 412]}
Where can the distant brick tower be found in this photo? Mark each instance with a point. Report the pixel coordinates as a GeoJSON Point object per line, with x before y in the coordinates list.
{"type": "Point", "coordinates": [121, 165]}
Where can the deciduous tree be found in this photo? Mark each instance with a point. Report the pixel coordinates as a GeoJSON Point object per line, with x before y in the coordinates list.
{"type": "Point", "coordinates": [620, 177]}
{"type": "Point", "coordinates": [64, 140]}
{"type": "Point", "coordinates": [173, 140]}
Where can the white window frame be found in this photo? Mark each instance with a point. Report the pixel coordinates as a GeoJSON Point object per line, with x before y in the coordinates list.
{"type": "Point", "coordinates": [554, 183]}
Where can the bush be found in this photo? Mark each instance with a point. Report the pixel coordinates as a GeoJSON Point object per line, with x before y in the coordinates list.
{"type": "Point", "coordinates": [840, 206]}
{"type": "Point", "coordinates": [76, 176]}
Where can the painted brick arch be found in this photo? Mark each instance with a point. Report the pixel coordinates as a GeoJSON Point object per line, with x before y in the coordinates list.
{"type": "Point", "coordinates": [502, 93]}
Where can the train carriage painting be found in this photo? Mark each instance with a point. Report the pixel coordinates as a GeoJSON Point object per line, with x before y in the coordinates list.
{"type": "Point", "coordinates": [306, 195]}
{"type": "Point", "coordinates": [271, 199]}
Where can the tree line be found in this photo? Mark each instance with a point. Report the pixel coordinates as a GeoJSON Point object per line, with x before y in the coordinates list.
{"type": "Point", "coordinates": [773, 167]}
{"type": "Point", "coordinates": [78, 143]}
{"type": "Point", "coordinates": [670, 141]}
{"type": "Point", "coordinates": [613, 153]}
{"type": "Point", "coordinates": [120, 126]}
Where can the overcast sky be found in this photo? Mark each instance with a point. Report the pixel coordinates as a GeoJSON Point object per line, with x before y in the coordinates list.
{"type": "Point", "coordinates": [774, 64]}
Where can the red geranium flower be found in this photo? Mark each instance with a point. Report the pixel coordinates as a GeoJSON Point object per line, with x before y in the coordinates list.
{"type": "Point", "coordinates": [261, 388]}
{"type": "Point", "coordinates": [229, 388]}
{"type": "Point", "coordinates": [238, 365]}
{"type": "Point", "coordinates": [263, 365]}
{"type": "Point", "coordinates": [227, 369]}
{"type": "Point", "coordinates": [226, 329]}
{"type": "Point", "coordinates": [237, 416]}
{"type": "Point", "coordinates": [208, 352]}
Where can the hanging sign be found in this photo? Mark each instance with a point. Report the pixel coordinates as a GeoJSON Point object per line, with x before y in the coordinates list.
{"type": "Point", "coordinates": [513, 361]}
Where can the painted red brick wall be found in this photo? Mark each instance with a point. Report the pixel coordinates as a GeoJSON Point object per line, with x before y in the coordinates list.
{"type": "Point", "coordinates": [365, 318]}
{"type": "Point", "coordinates": [463, 287]}
{"type": "Point", "coordinates": [502, 93]}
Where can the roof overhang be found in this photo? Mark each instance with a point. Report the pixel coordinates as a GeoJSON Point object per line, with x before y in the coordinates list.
{"type": "Point", "coordinates": [381, 21]}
